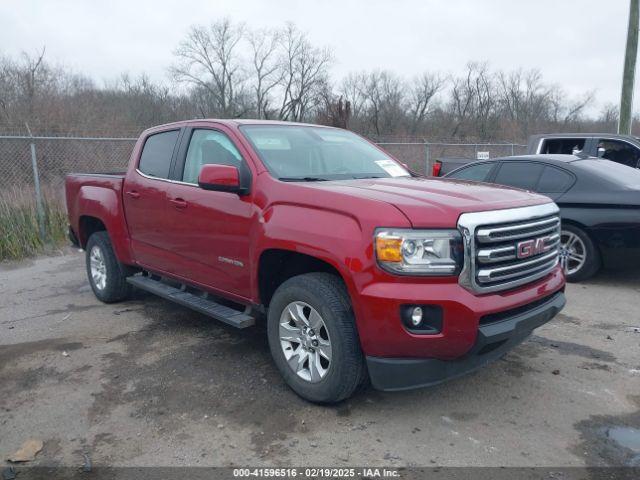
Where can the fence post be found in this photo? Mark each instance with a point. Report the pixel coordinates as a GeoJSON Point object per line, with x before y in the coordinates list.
{"type": "Point", "coordinates": [512, 150]}
{"type": "Point", "coordinates": [36, 182]}
{"type": "Point", "coordinates": [427, 157]}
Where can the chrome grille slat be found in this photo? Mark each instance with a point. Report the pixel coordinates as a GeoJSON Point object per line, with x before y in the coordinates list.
{"type": "Point", "coordinates": [525, 230]}
{"type": "Point", "coordinates": [485, 275]}
{"type": "Point", "coordinates": [492, 255]}
{"type": "Point", "coordinates": [499, 254]}
{"type": "Point", "coordinates": [508, 248]}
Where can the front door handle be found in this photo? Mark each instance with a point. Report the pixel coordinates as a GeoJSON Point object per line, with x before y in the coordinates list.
{"type": "Point", "coordinates": [178, 202]}
{"type": "Point", "coordinates": [133, 194]}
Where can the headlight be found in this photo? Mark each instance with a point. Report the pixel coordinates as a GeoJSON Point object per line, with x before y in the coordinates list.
{"type": "Point", "coordinates": [419, 252]}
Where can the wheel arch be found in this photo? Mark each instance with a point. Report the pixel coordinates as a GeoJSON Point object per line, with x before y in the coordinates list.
{"type": "Point", "coordinates": [87, 226]}
{"type": "Point", "coordinates": [100, 209]}
{"type": "Point", "coordinates": [585, 229]}
{"type": "Point", "coordinates": [276, 265]}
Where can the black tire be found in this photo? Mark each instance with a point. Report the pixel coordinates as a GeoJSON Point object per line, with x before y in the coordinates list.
{"type": "Point", "coordinates": [326, 294]}
{"type": "Point", "coordinates": [592, 262]}
{"type": "Point", "coordinates": [116, 287]}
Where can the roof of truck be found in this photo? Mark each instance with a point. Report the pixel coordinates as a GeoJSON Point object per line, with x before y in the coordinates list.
{"type": "Point", "coordinates": [238, 121]}
{"type": "Point", "coordinates": [583, 135]}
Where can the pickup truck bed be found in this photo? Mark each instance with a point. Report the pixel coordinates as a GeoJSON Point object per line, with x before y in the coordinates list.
{"type": "Point", "coordinates": [93, 196]}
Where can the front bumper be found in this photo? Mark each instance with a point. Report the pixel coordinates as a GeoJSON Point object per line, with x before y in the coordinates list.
{"type": "Point", "coordinates": [494, 339]}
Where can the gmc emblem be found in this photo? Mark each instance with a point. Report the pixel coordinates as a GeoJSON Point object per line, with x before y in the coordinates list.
{"type": "Point", "coordinates": [529, 248]}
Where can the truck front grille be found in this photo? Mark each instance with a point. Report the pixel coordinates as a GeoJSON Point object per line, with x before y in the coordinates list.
{"type": "Point", "coordinates": [508, 248]}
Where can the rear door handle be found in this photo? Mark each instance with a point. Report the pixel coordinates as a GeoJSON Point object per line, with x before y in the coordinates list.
{"type": "Point", "coordinates": [133, 194]}
{"type": "Point", "coordinates": [179, 202]}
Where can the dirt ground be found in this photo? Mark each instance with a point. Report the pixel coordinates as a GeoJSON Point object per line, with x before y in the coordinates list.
{"type": "Point", "coordinates": [148, 383]}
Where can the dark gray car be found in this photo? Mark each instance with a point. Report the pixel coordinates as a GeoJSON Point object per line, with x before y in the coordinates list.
{"type": "Point", "coordinates": [599, 204]}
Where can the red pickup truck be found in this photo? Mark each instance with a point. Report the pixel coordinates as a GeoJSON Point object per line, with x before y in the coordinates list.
{"type": "Point", "coordinates": [363, 270]}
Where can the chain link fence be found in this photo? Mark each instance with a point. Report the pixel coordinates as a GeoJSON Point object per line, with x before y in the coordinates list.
{"type": "Point", "coordinates": [420, 156]}
{"type": "Point", "coordinates": [32, 169]}
{"type": "Point", "coordinates": [54, 157]}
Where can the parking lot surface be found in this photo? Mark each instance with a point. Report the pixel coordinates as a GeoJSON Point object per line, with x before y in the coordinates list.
{"type": "Point", "coordinates": [145, 382]}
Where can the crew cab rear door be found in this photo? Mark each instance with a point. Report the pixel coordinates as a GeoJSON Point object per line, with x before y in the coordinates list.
{"type": "Point", "coordinates": [144, 198]}
{"type": "Point", "coordinates": [209, 233]}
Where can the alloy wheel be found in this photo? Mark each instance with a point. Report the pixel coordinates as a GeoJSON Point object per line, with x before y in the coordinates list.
{"type": "Point", "coordinates": [98, 268]}
{"type": "Point", "coordinates": [305, 341]}
{"type": "Point", "coordinates": [573, 252]}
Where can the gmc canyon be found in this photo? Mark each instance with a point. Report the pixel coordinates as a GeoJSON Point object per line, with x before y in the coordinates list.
{"type": "Point", "coordinates": [364, 271]}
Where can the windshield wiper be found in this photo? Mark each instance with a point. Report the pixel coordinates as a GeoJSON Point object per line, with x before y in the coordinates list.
{"type": "Point", "coordinates": [303, 179]}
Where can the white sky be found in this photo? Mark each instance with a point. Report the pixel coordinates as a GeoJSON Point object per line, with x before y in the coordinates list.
{"type": "Point", "coordinates": [577, 44]}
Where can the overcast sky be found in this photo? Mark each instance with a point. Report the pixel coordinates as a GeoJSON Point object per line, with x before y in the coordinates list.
{"type": "Point", "coordinates": [578, 44]}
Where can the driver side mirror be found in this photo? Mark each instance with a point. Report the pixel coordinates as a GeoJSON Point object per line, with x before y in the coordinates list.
{"type": "Point", "coordinates": [601, 152]}
{"type": "Point", "coordinates": [220, 178]}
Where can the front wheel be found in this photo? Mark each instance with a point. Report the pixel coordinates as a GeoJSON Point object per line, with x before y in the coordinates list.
{"type": "Point", "coordinates": [313, 338]}
{"type": "Point", "coordinates": [107, 276]}
{"type": "Point", "coordinates": [579, 254]}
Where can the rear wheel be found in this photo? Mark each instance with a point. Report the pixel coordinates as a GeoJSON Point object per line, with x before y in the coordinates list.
{"type": "Point", "coordinates": [313, 338]}
{"type": "Point", "coordinates": [107, 275]}
{"type": "Point", "coordinates": [579, 254]}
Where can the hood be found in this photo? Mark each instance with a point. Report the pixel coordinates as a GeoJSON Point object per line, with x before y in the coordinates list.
{"type": "Point", "coordinates": [435, 203]}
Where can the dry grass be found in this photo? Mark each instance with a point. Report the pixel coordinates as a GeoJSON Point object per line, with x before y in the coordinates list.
{"type": "Point", "coordinates": [19, 230]}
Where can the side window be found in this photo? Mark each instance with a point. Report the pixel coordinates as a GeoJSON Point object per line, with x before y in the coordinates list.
{"type": "Point", "coordinates": [155, 160]}
{"type": "Point", "coordinates": [519, 174]}
{"type": "Point", "coordinates": [564, 146]}
{"type": "Point", "coordinates": [554, 180]}
{"type": "Point", "coordinates": [205, 147]}
{"type": "Point", "coordinates": [619, 152]}
{"type": "Point", "coordinates": [477, 173]}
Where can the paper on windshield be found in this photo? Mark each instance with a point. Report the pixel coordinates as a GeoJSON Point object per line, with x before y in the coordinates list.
{"type": "Point", "coordinates": [392, 168]}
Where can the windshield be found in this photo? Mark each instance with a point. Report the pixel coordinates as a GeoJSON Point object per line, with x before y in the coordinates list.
{"type": "Point", "coordinates": [305, 153]}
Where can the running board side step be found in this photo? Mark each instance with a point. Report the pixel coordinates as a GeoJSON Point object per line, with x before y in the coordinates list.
{"type": "Point", "coordinates": [200, 304]}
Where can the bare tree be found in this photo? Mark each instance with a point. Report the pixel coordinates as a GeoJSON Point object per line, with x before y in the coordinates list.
{"type": "Point", "coordinates": [208, 59]}
{"type": "Point", "coordinates": [474, 102]}
{"type": "Point", "coordinates": [384, 96]}
{"type": "Point", "coordinates": [267, 72]}
{"type": "Point", "coordinates": [351, 89]}
{"type": "Point", "coordinates": [524, 100]}
{"type": "Point", "coordinates": [461, 101]}
{"type": "Point", "coordinates": [421, 96]}
{"type": "Point", "coordinates": [609, 114]}
{"type": "Point", "coordinates": [565, 111]}
{"type": "Point", "coordinates": [305, 70]}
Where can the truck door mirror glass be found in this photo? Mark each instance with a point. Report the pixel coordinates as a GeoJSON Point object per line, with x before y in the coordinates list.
{"type": "Point", "coordinates": [601, 151]}
{"type": "Point", "coordinates": [221, 178]}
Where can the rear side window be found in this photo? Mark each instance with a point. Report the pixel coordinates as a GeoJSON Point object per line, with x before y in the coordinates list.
{"type": "Point", "coordinates": [564, 146]}
{"type": "Point", "coordinates": [155, 160]}
{"type": "Point", "coordinates": [477, 173]}
{"type": "Point", "coordinates": [523, 175]}
{"type": "Point", "coordinates": [554, 180]}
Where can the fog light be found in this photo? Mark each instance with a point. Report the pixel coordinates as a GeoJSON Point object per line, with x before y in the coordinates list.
{"type": "Point", "coordinates": [422, 319]}
{"type": "Point", "coordinates": [416, 316]}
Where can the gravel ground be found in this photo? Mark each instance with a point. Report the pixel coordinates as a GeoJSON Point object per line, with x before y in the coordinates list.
{"type": "Point", "coordinates": [148, 383]}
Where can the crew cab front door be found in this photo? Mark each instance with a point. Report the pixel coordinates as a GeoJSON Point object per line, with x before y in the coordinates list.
{"type": "Point", "coordinates": [209, 231]}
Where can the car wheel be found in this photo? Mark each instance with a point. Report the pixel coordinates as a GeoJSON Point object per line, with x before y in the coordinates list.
{"type": "Point", "coordinates": [578, 253]}
{"type": "Point", "coordinates": [107, 275]}
{"type": "Point", "coordinates": [313, 338]}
